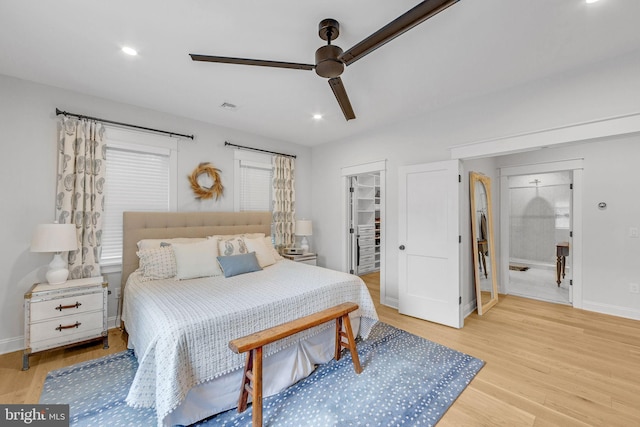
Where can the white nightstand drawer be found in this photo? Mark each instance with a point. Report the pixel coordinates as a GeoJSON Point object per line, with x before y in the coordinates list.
{"type": "Point", "coordinates": [56, 332]}
{"type": "Point", "coordinates": [67, 306]}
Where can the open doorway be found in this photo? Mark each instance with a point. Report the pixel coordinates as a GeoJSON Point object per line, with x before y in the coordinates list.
{"type": "Point", "coordinates": [364, 226]}
{"type": "Point", "coordinates": [364, 223]}
{"type": "Point", "coordinates": [574, 257]}
{"type": "Point", "coordinates": [540, 224]}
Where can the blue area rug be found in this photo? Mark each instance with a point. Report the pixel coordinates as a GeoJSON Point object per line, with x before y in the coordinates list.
{"type": "Point", "coordinates": [407, 380]}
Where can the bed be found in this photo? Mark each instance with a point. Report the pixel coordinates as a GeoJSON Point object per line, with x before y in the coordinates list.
{"type": "Point", "coordinates": [180, 329]}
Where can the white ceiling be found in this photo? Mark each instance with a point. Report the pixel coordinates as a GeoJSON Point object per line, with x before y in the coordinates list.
{"type": "Point", "coordinates": [473, 48]}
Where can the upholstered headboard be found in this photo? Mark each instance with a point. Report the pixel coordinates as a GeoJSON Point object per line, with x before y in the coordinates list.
{"type": "Point", "coordinates": [166, 225]}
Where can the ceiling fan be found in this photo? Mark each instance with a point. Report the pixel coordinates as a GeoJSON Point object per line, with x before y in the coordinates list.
{"type": "Point", "coordinates": [331, 60]}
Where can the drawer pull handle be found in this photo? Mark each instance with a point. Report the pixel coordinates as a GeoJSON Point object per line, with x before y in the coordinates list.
{"type": "Point", "coordinates": [60, 328]}
{"type": "Point", "coordinates": [64, 307]}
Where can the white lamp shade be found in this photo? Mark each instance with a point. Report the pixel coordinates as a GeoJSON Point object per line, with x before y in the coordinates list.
{"type": "Point", "coordinates": [54, 238]}
{"type": "Point", "coordinates": [304, 227]}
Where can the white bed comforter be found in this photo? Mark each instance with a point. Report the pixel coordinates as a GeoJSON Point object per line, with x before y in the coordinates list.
{"type": "Point", "coordinates": [180, 330]}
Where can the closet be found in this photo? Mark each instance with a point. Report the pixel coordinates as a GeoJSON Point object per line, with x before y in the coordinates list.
{"type": "Point", "coordinates": [365, 204]}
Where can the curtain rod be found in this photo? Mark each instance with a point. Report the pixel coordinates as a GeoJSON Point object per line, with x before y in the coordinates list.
{"type": "Point", "coordinates": [260, 149]}
{"type": "Point", "coordinates": [82, 116]}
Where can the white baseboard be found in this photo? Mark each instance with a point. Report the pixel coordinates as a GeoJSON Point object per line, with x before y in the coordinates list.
{"type": "Point", "coordinates": [113, 322]}
{"type": "Point", "coordinates": [613, 310]}
{"type": "Point", "coordinates": [9, 345]}
{"type": "Point", "coordinates": [469, 308]}
{"type": "Point", "coordinates": [391, 302]}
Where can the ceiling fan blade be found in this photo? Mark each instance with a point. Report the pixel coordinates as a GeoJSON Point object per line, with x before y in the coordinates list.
{"type": "Point", "coordinates": [341, 95]}
{"type": "Point", "coordinates": [393, 29]}
{"type": "Point", "coordinates": [244, 61]}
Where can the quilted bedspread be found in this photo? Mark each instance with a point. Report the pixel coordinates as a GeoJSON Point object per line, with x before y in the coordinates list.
{"type": "Point", "coordinates": [180, 330]}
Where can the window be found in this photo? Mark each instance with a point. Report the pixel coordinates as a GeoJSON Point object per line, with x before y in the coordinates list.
{"type": "Point", "coordinates": [140, 176]}
{"type": "Point", "coordinates": [253, 175]}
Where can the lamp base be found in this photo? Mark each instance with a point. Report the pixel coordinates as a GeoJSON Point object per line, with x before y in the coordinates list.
{"type": "Point", "coordinates": [304, 245]}
{"type": "Point", "coordinates": [58, 272]}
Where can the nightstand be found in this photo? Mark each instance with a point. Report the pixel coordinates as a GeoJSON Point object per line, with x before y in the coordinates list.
{"type": "Point", "coordinates": [64, 315]}
{"type": "Point", "coordinates": [305, 259]}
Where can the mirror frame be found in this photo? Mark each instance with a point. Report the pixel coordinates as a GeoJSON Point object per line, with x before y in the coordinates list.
{"type": "Point", "coordinates": [474, 178]}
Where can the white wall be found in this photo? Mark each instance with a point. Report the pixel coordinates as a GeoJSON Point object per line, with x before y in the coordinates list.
{"type": "Point", "coordinates": [601, 91]}
{"type": "Point", "coordinates": [610, 256]}
{"type": "Point", "coordinates": [28, 171]}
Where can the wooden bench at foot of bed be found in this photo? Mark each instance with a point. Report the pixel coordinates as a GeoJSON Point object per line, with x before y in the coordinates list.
{"type": "Point", "coordinates": [253, 343]}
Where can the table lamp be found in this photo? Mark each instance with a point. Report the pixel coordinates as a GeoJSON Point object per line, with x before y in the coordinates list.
{"type": "Point", "coordinates": [56, 238]}
{"type": "Point", "coordinates": [304, 229]}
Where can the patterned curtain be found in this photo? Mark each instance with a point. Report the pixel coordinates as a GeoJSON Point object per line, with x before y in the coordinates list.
{"type": "Point", "coordinates": [284, 201]}
{"type": "Point", "coordinates": [79, 194]}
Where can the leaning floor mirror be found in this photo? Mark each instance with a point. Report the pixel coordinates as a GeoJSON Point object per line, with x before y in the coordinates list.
{"type": "Point", "coordinates": [483, 248]}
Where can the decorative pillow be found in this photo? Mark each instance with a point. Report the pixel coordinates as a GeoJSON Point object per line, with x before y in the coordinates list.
{"type": "Point", "coordinates": [232, 246]}
{"type": "Point", "coordinates": [239, 264]}
{"type": "Point", "coordinates": [274, 251]}
{"type": "Point", "coordinates": [156, 243]}
{"type": "Point", "coordinates": [262, 251]}
{"type": "Point", "coordinates": [196, 259]}
{"type": "Point", "coordinates": [157, 263]}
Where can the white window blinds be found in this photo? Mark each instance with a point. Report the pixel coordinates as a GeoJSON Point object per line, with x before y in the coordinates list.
{"type": "Point", "coordinates": [255, 186]}
{"type": "Point", "coordinates": [137, 179]}
{"type": "Point", "coordinates": [254, 174]}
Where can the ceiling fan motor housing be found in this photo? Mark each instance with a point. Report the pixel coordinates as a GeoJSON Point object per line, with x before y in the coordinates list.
{"type": "Point", "coordinates": [327, 63]}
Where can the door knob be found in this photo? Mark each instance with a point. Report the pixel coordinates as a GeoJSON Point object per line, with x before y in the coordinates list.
{"type": "Point", "coordinates": [401, 247]}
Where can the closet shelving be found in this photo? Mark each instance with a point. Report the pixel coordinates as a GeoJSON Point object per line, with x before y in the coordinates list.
{"type": "Point", "coordinates": [367, 193]}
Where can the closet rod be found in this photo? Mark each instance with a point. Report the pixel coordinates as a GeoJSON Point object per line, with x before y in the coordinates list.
{"type": "Point", "coordinates": [260, 149]}
{"type": "Point", "coordinates": [82, 116]}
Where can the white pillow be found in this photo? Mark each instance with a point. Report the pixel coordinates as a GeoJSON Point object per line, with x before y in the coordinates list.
{"type": "Point", "coordinates": [196, 259]}
{"type": "Point", "coordinates": [274, 251]}
{"type": "Point", "coordinates": [157, 243]}
{"type": "Point", "coordinates": [263, 252]}
{"type": "Point", "coordinates": [157, 263]}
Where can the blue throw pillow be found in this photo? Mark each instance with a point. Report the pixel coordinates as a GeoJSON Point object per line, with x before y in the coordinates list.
{"type": "Point", "coordinates": [233, 265]}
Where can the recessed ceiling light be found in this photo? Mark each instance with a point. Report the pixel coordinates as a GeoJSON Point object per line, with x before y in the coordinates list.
{"type": "Point", "coordinates": [129, 51]}
{"type": "Point", "coordinates": [591, 1]}
{"type": "Point", "coordinates": [317, 116]}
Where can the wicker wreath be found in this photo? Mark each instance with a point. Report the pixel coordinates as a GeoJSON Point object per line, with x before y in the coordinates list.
{"type": "Point", "coordinates": [202, 192]}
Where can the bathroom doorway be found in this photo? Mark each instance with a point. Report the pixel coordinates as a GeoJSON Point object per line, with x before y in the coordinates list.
{"type": "Point", "coordinates": [540, 236]}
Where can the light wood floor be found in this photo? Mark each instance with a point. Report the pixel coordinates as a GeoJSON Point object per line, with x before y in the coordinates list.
{"type": "Point", "coordinates": [546, 365]}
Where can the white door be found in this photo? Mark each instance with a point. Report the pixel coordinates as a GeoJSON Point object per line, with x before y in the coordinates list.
{"type": "Point", "coordinates": [429, 247]}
